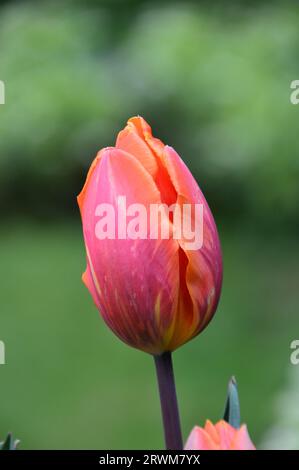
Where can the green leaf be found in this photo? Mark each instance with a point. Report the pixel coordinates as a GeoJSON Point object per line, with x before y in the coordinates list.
{"type": "Point", "coordinates": [9, 443]}
{"type": "Point", "coordinates": [232, 407]}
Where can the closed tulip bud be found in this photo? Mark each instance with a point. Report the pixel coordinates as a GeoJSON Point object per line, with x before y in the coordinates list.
{"type": "Point", "coordinates": [221, 436]}
{"type": "Point", "coordinates": [154, 291]}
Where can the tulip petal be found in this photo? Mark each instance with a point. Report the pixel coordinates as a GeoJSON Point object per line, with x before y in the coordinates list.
{"type": "Point", "coordinates": [130, 141]}
{"type": "Point", "coordinates": [137, 140]}
{"type": "Point", "coordinates": [204, 270]}
{"type": "Point", "coordinates": [81, 196]}
{"type": "Point", "coordinates": [212, 431]}
{"type": "Point", "coordinates": [199, 439]}
{"type": "Point", "coordinates": [242, 440]}
{"type": "Point", "coordinates": [138, 279]}
{"type": "Point", "coordinates": [226, 434]}
{"type": "Point", "coordinates": [145, 132]}
{"type": "Point", "coordinates": [88, 280]}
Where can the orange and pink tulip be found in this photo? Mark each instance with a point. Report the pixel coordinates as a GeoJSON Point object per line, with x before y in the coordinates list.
{"type": "Point", "coordinates": [221, 436]}
{"type": "Point", "coordinates": [154, 294]}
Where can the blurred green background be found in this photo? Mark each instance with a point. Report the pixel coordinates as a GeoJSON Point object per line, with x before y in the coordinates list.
{"type": "Point", "coordinates": [213, 80]}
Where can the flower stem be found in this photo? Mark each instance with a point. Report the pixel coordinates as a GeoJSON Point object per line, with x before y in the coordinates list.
{"type": "Point", "coordinates": [169, 404]}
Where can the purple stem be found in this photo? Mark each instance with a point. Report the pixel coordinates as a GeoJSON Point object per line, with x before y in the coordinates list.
{"type": "Point", "coordinates": [169, 404]}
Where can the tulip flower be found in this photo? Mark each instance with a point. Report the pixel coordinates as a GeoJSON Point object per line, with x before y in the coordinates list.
{"type": "Point", "coordinates": [221, 436]}
{"type": "Point", "coordinates": [155, 292]}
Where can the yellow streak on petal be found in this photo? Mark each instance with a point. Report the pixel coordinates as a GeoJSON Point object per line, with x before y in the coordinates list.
{"type": "Point", "coordinates": [158, 309]}
{"type": "Point", "coordinates": [210, 305]}
{"type": "Point", "coordinates": [93, 274]}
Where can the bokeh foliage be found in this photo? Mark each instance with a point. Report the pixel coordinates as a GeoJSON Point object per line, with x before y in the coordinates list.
{"type": "Point", "coordinates": [214, 83]}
